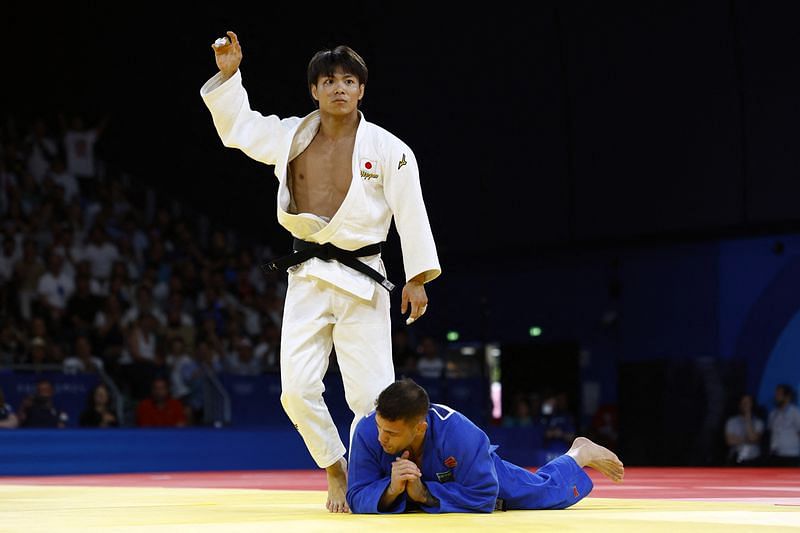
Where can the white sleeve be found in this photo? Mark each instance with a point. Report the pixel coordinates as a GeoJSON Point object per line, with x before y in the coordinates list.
{"type": "Point", "coordinates": [258, 136]}
{"type": "Point", "coordinates": [404, 196]}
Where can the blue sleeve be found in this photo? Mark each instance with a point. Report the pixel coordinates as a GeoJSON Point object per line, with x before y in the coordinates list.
{"type": "Point", "coordinates": [475, 486]}
{"type": "Point", "coordinates": [366, 478]}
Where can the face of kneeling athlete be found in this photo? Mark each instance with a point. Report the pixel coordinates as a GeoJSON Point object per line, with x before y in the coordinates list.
{"type": "Point", "coordinates": [397, 436]}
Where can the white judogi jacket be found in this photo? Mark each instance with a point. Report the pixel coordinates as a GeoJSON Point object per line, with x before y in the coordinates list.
{"type": "Point", "coordinates": [385, 183]}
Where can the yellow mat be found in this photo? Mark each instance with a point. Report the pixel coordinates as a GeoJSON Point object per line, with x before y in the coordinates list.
{"type": "Point", "coordinates": [25, 508]}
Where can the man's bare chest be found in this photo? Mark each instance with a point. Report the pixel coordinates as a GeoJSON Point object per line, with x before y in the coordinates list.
{"type": "Point", "coordinates": [324, 165]}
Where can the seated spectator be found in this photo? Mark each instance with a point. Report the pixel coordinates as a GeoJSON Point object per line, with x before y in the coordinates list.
{"type": "Point", "coordinates": [98, 412]}
{"type": "Point", "coordinates": [39, 411]}
{"type": "Point", "coordinates": [55, 287]}
{"type": "Point", "coordinates": [109, 333]}
{"type": "Point", "coordinates": [83, 362]}
{"type": "Point", "coordinates": [242, 360]}
{"type": "Point", "coordinates": [268, 346]}
{"type": "Point", "coordinates": [8, 420]}
{"type": "Point", "coordinates": [604, 428]}
{"type": "Point", "coordinates": [430, 364]}
{"type": "Point", "coordinates": [100, 252]}
{"type": "Point", "coordinates": [743, 434]}
{"type": "Point", "coordinates": [559, 424]}
{"type": "Point", "coordinates": [784, 427]}
{"type": "Point", "coordinates": [141, 361]}
{"type": "Point", "coordinates": [521, 416]}
{"type": "Point", "coordinates": [403, 355]}
{"type": "Point", "coordinates": [144, 304]}
{"type": "Point", "coordinates": [206, 356]}
{"type": "Point", "coordinates": [188, 378]}
{"type": "Point", "coordinates": [38, 353]}
{"type": "Point", "coordinates": [12, 343]}
{"type": "Point", "coordinates": [83, 305]}
{"type": "Point", "coordinates": [27, 271]}
{"type": "Point", "coordinates": [179, 322]}
{"type": "Point", "coordinates": [160, 409]}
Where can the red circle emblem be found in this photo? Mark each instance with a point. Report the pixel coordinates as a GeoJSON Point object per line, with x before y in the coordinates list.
{"type": "Point", "coordinates": [368, 165]}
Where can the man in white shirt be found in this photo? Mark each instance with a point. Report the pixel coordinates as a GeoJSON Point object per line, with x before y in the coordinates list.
{"type": "Point", "coordinates": [743, 434]}
{"type": "Point", "coordinates": [101, 253]}
{"type": "Point", "coordinates": [55, 286]}
{"type": "Point", "coordinates": [784, 427]}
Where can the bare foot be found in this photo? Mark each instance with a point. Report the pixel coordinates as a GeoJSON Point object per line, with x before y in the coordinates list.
{"type": "Point", "coordinates": [587, 453]}
{"type": "Point", "coordinates": [337, 487]}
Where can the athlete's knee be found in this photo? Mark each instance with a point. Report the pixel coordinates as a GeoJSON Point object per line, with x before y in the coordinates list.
{"type": "Point", "coordinates": [295, 398]}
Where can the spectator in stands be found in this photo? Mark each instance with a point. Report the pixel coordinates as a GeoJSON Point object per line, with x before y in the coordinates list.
{"type": "Point", "coordinates": [144, 304]}
{"type": "Point", "coordinates": [83, 362]}
{"type": "Point", "coordinates": [211, 360]}
{"type": "Point", "coordinates": [55, 288]}
{"type": "Point", "coordinates": [430, 364]}
{"type": "Point", "coordinates": [100, 252]}
{"type": "Point", "coordinates": [188, 378]}
{"type": "Point", "coordinates": [98, 412]}
{"type": "Point", "coordinates": [160, 409]}
{"type": "Point", "coordinates": [179, 322]}
{"type": "Point", "coordinates": [604, 428]}
{"type": "Point", "coordinates": [268, 346]}
{"type": "Point", "coordinates": [784, 427]}
{"type": "Point", "coordinates": [64, 179]}
{"type": "Point", "coordinates": [559, 423]}
{"type": "Point", "coordinates": [38, 354]}
{"type": "Point", "coordinates": [242, 360]}
{"type": "Point", "coordinates": [743, 433]}
{"type": "Point", "coordinates": [79, 143]}
{"type": "Point", "coordinates": [8, 420]}
{"type": "Point", "coordinates": [403, 355]}
{"type": "Point", "coordinates": [82, 306]}
{"type": "Point", "coordinates": [521, 416]}
{"type": "Point", "coordinates": [39, 411]}
{"type": "Point", "coordinates": [12, 343]}
{"type": "Point", "coordinates": [209, 332]}
{"type": "Point", "coordinates": [42, 149]}
{"type": "Point", "coordinates": [27, 272]}
{"type": "Point", "coordinates": [8, 257]}
{"type": "Point", "coordinates": [109, 334]}
{"type": "Point", "coordinates": [141, 360]}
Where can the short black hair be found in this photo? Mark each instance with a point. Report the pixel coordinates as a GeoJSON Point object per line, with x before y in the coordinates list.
{"type": "Point", "coordinates": [403, 400]}
{"type": "Point", "coordinates": [788, 390]}
{"type": "Point", "coordinates": [325, 62]}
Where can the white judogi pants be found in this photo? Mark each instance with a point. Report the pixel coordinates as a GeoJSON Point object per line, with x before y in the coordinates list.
{"type": "Point", "coordinates": [318, 315]}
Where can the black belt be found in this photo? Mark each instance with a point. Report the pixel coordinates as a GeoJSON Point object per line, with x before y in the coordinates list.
{"type": "Point", "coordinates": [304, 250]}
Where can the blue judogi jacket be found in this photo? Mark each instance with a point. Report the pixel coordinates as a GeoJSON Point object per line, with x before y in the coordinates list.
{"type": "Point", "coordinates": [466, 483]}
{"type": "Point", "coordinates": [461, 470]}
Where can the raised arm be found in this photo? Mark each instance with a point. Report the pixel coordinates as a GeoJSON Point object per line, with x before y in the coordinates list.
{"type": "Point", "coordinates": [260, 137]}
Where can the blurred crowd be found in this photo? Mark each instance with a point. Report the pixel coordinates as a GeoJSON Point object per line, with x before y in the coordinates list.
{"type": "Point", "coordinates": [98, 277]}
{"type": "Point", "coordinates": [94, 279]}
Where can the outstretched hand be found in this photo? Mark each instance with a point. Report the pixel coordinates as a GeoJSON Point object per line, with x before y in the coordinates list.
{"type": "Point", "coordinates": [228, 56]}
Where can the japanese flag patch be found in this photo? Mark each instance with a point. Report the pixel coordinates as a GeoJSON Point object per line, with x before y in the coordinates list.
{"type": "Point", "coordinates": [369, 169]}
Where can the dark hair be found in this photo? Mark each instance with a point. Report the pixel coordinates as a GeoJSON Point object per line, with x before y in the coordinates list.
{"type": "Point", "coordinates": [325, 62]}
{"type": "Point", "coordinates": [403, 400]}
{"type": "Point", "coordinates": [787, 390]}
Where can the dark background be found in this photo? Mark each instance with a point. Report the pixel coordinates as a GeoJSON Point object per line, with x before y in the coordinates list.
{"type": "Point", "coordinates": [565, 124]}
{"type": "Point", "coordinates": [586, 155]}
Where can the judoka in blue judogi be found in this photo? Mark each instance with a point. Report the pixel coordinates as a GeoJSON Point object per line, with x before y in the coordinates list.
{"type": "Point", "coordinates": [409, 454]}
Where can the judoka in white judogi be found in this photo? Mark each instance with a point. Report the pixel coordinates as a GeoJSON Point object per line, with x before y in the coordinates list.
{"type": "Point", "coordinates": [327, 303]}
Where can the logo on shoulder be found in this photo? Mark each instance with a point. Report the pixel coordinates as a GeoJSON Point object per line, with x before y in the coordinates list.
{"type": "Point", "coordinates": [402, 162]}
